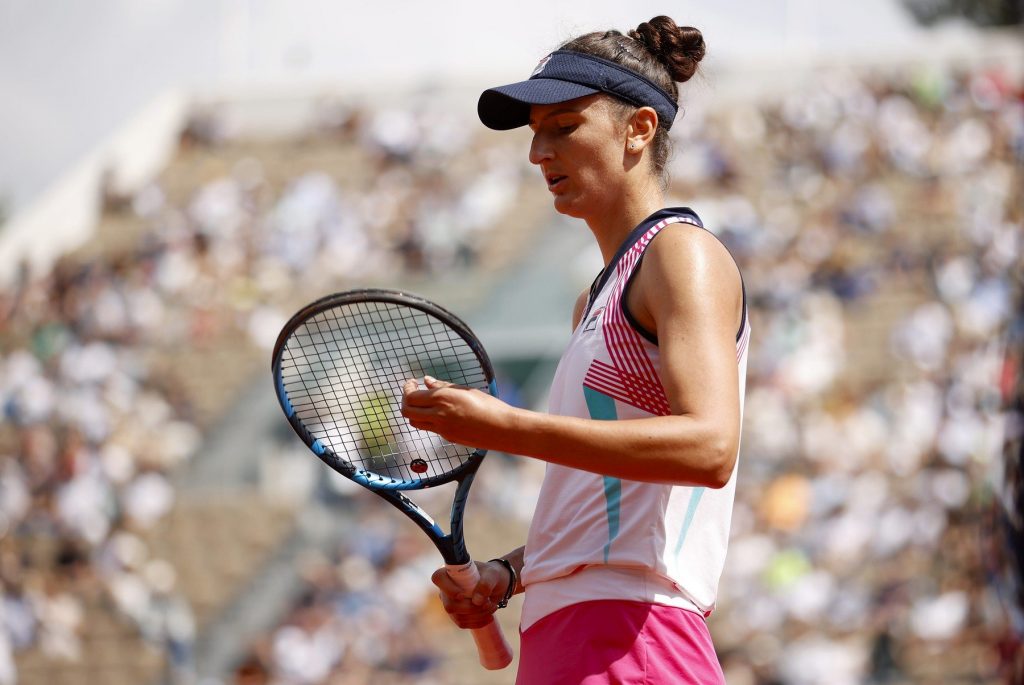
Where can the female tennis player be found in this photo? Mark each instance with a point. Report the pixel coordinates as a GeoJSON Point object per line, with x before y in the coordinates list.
{"type": "Point", "coordinates": [622, 560]}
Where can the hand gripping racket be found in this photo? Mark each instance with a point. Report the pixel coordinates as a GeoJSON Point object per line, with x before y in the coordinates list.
{"type": "Point", "coordinates": [339, 365]}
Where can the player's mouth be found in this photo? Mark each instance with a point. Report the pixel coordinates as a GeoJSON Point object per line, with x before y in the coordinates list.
{"type": "Point", "coordinates": [555, 181]}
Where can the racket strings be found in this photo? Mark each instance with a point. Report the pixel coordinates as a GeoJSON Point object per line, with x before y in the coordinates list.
{"type": "Point", "coordinates": [343, 371]}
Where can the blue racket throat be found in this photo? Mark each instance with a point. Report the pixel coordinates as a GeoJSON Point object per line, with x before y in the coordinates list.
{"type": "Point", "coordinates": [420, 518]}
{"type": "Point", "coordinates": [451, 546]}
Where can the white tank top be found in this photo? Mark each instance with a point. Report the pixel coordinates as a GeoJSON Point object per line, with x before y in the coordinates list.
{"type": "Point", "coordinates": [597, 537]}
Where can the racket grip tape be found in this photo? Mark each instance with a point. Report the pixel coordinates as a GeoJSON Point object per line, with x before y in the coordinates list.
{"type": "Point", "coordinates": [491, 645]}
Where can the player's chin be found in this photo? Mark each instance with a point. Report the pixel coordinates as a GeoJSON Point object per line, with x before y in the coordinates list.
{"type": "Point", "coordinates": [569, 206]}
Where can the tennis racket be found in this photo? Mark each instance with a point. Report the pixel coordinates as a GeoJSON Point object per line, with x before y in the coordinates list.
{"type": "Point", "coordinates": [339, 365]}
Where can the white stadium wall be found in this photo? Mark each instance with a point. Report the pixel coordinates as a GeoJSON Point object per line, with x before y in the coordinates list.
{"type": "Point", "coordinates": [64, 216]}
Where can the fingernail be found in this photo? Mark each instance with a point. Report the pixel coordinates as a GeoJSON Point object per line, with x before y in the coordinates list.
{"type": "Point", "coordinates": [429, 379]}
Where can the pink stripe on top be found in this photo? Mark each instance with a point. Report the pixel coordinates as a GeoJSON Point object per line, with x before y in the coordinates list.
{"type": "Point", "coordinates": [624, 344]}
{"type": "Point", "coordinates": [626, 387]}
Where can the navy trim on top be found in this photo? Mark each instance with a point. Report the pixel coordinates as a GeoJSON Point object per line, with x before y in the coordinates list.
{"type": "Point", "coordinates": [635, 235]}
{"type": "Point", "coordinates": [629, 242]}
{"type": "Point", "coordinates": [649, 335]}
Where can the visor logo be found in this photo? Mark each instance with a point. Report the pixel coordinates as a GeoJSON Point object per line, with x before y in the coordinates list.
{"type": "Point", "coordinates": [540, 66]}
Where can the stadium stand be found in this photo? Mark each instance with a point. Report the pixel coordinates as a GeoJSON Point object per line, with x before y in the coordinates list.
{"type": "Point", "coordinates": [119, 359]}
{"type": "Point", "coordinates": [877, 225]}
{"type": "Point", "coordinates": [877, 218]}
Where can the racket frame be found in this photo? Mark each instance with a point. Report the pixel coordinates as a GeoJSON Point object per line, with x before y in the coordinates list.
{"type": "Point", "coordinates": [451, 545]}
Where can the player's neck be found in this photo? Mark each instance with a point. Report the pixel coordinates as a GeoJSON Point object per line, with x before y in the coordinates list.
{"type": "Point", "coordinates": [613, 226]}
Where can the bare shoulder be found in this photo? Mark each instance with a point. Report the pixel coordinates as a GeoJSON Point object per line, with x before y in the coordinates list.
{"type": "Point", "coordinates": [577, 310]}
{"type": "Point", "coordinates": [681, 250]}
{"type": "Point", "coordinates": [686, 246]}
{"type": "Point", "coordinates": [687, 270]}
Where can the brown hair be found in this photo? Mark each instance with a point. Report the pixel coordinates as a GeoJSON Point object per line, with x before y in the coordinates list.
{"type": "Point", "coordinates": [658, 50]}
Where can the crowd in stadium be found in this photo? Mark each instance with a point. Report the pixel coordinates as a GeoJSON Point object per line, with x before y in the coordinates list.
{"type": "Point", "coordinates": [90, 435]}
{"type": "Point", "coordinates": [96, 419]}
{"type": "Point", "coordinates": [857, 549]}
{"type": "Point", "coordinates": [855, 553]}
{"type": "Point", "coordinates": [365, 615]}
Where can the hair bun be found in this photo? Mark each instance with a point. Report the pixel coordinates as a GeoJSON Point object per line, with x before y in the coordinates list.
{"type": "Point", "coordinates": [679, 48]}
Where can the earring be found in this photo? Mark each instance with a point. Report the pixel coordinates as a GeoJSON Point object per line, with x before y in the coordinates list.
{"type": "Point", "coordinates": [632, 147]}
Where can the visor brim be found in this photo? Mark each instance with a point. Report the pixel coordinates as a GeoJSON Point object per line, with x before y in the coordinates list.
{"type": "Point", "coordinates": [508, 107]}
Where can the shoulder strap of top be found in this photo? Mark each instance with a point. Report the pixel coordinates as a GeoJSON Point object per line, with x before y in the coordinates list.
{"type": "Point", "coordinates": [631, 263]}
{"type": "Point", "coordinates": [641, 235]}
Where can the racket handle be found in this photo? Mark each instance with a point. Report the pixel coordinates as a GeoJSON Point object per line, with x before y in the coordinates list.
{"type": "Point", "coordinates": [491, 645]}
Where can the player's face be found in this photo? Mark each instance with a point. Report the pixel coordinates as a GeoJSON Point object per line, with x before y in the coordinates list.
{"type": "Point", "coordinates": [579, 147]}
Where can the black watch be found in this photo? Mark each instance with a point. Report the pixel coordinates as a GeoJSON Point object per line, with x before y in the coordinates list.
{"type": "Point", "coordinates": [512, 582]}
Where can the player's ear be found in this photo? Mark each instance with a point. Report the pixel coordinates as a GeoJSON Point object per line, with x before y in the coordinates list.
{"type": "Point", "coordinates": [642, 126]}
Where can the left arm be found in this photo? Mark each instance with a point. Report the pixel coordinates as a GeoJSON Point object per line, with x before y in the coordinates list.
{"type": "Point", "coordinates": [688, 291]}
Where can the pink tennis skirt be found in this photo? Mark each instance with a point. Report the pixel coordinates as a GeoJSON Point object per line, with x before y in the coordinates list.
{"type": "Point", "coordinates": [606, 642]}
